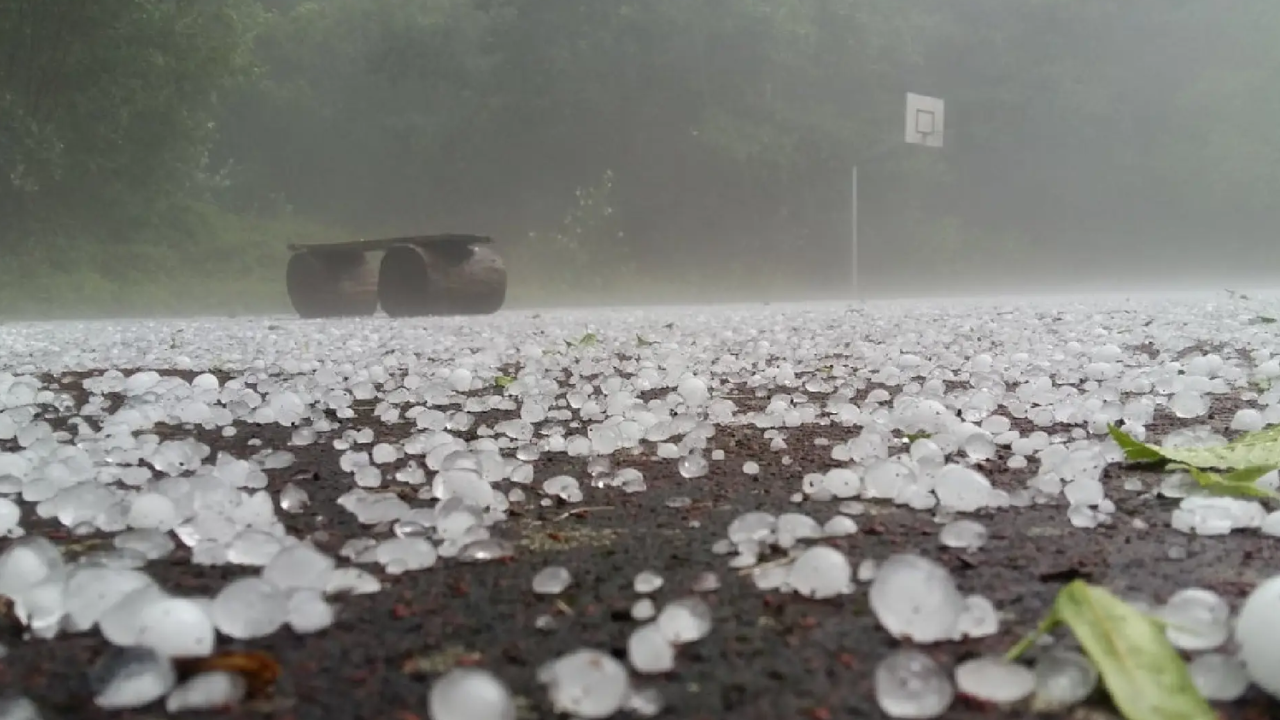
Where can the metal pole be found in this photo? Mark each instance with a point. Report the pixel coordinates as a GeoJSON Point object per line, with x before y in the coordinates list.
{"type": "Point", "coordinates": [854, 232]}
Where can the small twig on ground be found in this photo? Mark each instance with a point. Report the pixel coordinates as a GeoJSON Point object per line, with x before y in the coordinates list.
{"type": "Point", "coordinates": [579, 511]}
{"type": "Point", "coordinates": [766, 565]}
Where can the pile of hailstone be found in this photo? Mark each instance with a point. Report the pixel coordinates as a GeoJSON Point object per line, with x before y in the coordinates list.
{"type": "Point", "coordinates": [956, 382]}
{"type": "Point", "coordinates": [151, 627]}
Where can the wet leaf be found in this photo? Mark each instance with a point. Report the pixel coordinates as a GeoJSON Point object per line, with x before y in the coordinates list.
{"type": "Point", "coordinates": [1134, 451]}
{"type": "Point", "coordinates": [642, 342]}
{"type": "Point", "coordinates": [1254, 450]}
{"type": "Point", "coordinates": [1143, 673]}
{"type": "Point", "coordinates": [1238, 483]}
{"type": "Point", "coordinates": [503, 380]}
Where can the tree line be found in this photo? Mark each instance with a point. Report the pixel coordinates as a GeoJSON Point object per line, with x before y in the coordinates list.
{"type": "Point", "coordinates": [643, 133]}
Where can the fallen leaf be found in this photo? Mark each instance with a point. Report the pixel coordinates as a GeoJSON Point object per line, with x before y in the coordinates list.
{"type": "Point", "coordinates": [1141, 670]}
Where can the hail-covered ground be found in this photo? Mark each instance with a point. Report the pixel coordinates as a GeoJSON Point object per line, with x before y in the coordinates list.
{"type": "Point", "coordinates": [788, 511]}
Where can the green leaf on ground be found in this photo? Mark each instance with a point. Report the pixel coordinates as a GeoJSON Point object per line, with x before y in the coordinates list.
{"type": "Point", "coordinates": [1266, 320]}
{"type": "Point", "coordinates": [587, 340]}
{"type": "Point", "coordinates": [1254, 450]}
{"type": "Point", "coordinates": [1134, 451]}
{"type": "Point", "coordinates": [1141, 670]}
{"type": "Point", "coordinates": [503, 380]}
{"type": "Point", "coordinates": [1239, 483]}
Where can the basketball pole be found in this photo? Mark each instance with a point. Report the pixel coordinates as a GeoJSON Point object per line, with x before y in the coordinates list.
{"type": "Point", "coordinates": [857, 287]}
{"type": "Point", "coordinates": [924, 126]}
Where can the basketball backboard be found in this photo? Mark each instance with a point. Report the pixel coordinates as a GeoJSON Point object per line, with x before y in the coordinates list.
{"type": "Point", "coordinates": [925, 116]}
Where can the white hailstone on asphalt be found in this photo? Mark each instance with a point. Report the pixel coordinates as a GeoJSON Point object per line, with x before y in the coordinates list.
{"type": "Point", "coordinates": [842, 483]}
{"type": "Point", "coordinates": [821, 572]}
{"type": "Point", "coordinates": [252, 546]}
{"type": "Point", "coordinates": [916, 598]}
{"type": "Point", "coordinates": [753, 526]}
{"type": "Point", "coordinates": [979, 447]}
{"type": "Point", "coordinates": [407, 554]}
{"type": "Point", "coordinates": [249, 608]}
{"type": "Point", "coordinates": [354, 581]}
{"type": "Point", "coordinates": [1211, 516]}
{"type": "Point", "coordinates": [383, 453]}
{"type": "Point", "coordinates": [840, 526]}
{"type": "Point", "coordinates": [299, 566]}
{"type": "Point", "coordinates": [910, 685]}
{"type": "Point", "coordinates": [1219, 677]}
{"type": "Point", "coordinates": [486, 550]}
{"type": "Point", "coordinates": [643, 609]}
{"type": "Point", "coordinates": [177, 628]}
{"type": "Point", "coordinates": [866, 570]}
{"type": "Point", "coordinates": [979, 618]}
{"type": "Point", "coordinates": [1196, 619]}
{"type": "Point", "coordinates": [19, 707]}
{"type": "Point", "coordinates": [120, 623]}
{"type": "Point", "coordinates": [1258, 635]}
{"type": "Point", "coordinates": [647, 581]}
{"type": "Point", "coordinates": [1271, 524]}
{"type": "Point", "coordinates": [552, 580]}
{"type": "Point", "coordinates": [885, 479]}
{"type": "Point", "coordinates": [1188, 404]}
{"type": "Point", "coordinates": [645, 702]}
{"type": "Point", "coordinates": [207, 691]}
{"type": "Point", "coordinates": [460, 380]}
{"type": "Point", "coordinates": [293, 499]}
{"type": "Point", "coordinates": [27, 562]}
{"type": "Point", "coordinates": [42, 607]}
{"type": "Point", "coordinates": [466, 693]}
{"type": "Point", "coordinates": [564, 487]}
{"type": "Point", "coordinates": [705, 582]}
{"type": "Point", "coordinates": [152, 544]}
{"type": "Point", "coordinates": [586, 683]}
{"type": "Point", "coordinates": [685, 620]}
{"type": "Point", "coordinates": [962, 489]}
{"type": "Point", "coordinates": [693, 465]}
{"type": "Point", "coordinates": [963, 534]}
{"type": "Point", "coordinates": [694, 391]}
{"type": "Point", "coordinates": [1247, 420]}
{"type": "Point", "coordinates": [649, 651]}
{"type": "Point", "coordinates": [1064, 678]}
{"type": "Point", "coordinates": [127, 678]}
{"type": "Point", "coordinates": [794, 527]}
{"type": "Point", "coordinates": [91, 591]}
{"type": "Point", "coordinates": [308, 612]}
{"type": "Point", "coordinates": [10, 517]}
{"type": "Point", "coordinates": [995, 680]}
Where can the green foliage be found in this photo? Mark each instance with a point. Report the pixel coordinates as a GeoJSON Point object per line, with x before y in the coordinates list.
{"type": "Point", "coordinates": [107, 109]}
{"type": "Point", "coordinates": [1248, 458]}
{"type": "Point", "coordinates": [204, 261]}
{"type": "Point", "coordinates": [1255, 449]}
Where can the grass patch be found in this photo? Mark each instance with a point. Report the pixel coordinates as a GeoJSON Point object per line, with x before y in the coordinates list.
{"type": "Point", "coordinates": [206, 262]}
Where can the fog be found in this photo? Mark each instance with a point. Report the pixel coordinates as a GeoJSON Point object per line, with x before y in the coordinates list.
{"type": "Point", "coordinates": [158, 157]}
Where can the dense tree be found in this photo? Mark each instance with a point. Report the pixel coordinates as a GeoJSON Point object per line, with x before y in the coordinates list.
{"type": "Point", "coordinates": [639, 129]}
{"type": "Point", "coordinates": [108, 109]}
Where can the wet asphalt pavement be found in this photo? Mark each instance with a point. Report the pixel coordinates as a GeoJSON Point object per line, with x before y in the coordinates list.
{"type": "Point", "coordinates": [770, 655]}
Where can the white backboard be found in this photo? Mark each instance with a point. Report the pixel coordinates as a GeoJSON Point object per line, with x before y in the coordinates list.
{"type": "Point", "coordinates": [925, 116]}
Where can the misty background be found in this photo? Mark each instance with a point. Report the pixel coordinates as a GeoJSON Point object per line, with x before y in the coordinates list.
{"type": "Point", "coordinates": [157, 155]}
